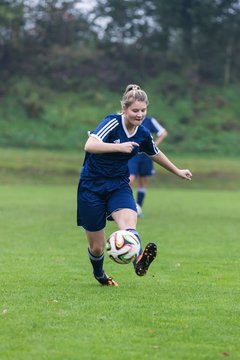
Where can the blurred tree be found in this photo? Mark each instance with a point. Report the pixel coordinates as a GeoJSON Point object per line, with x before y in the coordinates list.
{"type": "Point", "coordinates": [61, 23]}
{"type": "Point", "coordinates": [11, 35]}
{"type": "Point", "coordinates": [120, 39]}
{"type": "Point", "coordinates": [57, 41]}
{"type": "Point", "coordinates": [200, 37]}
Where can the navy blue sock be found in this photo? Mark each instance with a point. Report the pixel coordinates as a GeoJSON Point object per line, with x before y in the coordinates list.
{"type": "Point", "coordinates": [97, 264]}
{"type": "Point", "coordinates": [134, 231]}
{"type": "Point", "coordinates": [140, 196]}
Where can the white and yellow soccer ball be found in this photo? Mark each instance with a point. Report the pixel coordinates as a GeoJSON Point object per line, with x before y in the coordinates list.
{"type": "Point", "coordinates": [123, 246]}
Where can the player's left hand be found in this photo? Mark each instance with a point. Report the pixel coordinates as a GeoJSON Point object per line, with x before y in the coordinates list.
{"type": "Point", "coordinates": [185, 174]}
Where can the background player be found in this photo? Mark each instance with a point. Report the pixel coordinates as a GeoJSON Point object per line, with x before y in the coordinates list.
{"type": "Point", "coordinates": [104, 191]}
{"type": "Point", "coordinates": [141, 165]}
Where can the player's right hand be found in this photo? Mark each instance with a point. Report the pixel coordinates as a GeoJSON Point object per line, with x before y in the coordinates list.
{"type": "Point", "coordinates": [127, 147]}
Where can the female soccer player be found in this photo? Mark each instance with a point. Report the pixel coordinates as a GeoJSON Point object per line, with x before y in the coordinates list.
{"type": "Point", "coordinates": [141, 166]}
{"type": "Point", "coordinates": [104, 191]}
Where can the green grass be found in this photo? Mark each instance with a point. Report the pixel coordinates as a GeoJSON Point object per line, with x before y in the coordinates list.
{"type": "Point", "coordinates": [186, 308]}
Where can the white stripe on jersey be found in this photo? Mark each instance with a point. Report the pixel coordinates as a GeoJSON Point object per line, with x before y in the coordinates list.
{"type": "Point", "coordinates": [160, 128]}
{"type": "Point", "coordinates": [107, 128]}
{"type": "Point", "coordinates": [156, 149]}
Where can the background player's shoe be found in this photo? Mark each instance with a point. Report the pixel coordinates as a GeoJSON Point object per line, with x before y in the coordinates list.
{"type": "Point", "coordinates": [105, 280]}
{"type": "Point", "coordinates": [145, 259]}
{"type": "Point", "coordinates": [139, 210]}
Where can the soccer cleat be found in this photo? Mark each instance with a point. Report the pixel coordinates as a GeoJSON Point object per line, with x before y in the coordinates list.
{"type": "Point", "coordinates": [105, 280]}
{"type": "Point", "coordinates": [145, 259]}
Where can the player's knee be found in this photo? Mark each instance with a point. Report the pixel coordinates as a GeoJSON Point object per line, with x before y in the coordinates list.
{"type": "Point", "coordinates": [129, 221]}
{"type": "Point", "coordinates": [96, 249]}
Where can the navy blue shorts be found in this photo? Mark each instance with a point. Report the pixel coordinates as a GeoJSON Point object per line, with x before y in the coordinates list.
{"type": "Point", "coordinates": [95, 207]}
{"type": "Point", "coordinates": [141, 165]}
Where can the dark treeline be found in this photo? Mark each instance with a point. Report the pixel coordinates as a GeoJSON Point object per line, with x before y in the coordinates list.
{"type": "Point", "coordinates": [119, 39]}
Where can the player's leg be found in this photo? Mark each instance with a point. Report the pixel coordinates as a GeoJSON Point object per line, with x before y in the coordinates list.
{"type": "Point", "coordinates": [126, 219]}
{"type": "Point", "coordinates": [122, 208]}
{"type": "Point", "coordinates": [96, 242]}
{"type": "Point", "coordinates": [91, 215]}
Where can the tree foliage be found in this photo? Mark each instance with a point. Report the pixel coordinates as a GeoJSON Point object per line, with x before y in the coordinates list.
{"type": "Point", "coordinates": [119, 39]}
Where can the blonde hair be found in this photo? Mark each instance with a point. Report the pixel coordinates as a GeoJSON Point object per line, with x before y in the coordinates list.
{"type": "Point", "coordinates": [133, 93]}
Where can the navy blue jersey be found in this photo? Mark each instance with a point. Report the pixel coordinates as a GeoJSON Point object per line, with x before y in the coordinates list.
{"type": "Point", "coordinates": [141, 164]}
{"type": "Point", "coordinates": [115, 165]}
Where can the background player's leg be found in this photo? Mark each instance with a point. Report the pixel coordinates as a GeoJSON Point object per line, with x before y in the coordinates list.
{"type": "Point", "coordinates": [141, 192]}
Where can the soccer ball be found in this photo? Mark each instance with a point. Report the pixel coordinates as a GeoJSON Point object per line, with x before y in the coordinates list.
{"type": "Point", "coordinates": [123, 246]}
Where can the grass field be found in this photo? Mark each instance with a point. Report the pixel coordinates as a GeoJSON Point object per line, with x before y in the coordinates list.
{"type": "Point", "coordinates": [37, 166]}
{"type": "Point", "coordinates": [186, 308]}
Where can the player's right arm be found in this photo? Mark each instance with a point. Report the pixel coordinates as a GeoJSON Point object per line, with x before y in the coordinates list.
{"type": "Point", "coordinates": [96, 146]}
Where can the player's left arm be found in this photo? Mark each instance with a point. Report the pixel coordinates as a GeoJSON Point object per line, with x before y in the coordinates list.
{"type": "Point", "coordinates": [162, 160]}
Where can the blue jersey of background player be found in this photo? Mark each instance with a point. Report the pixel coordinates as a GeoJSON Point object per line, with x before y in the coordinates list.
{"type": "Point", "coordinates": [141, 165]}
{"type": "Point", "coordinates": [104, 191]}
